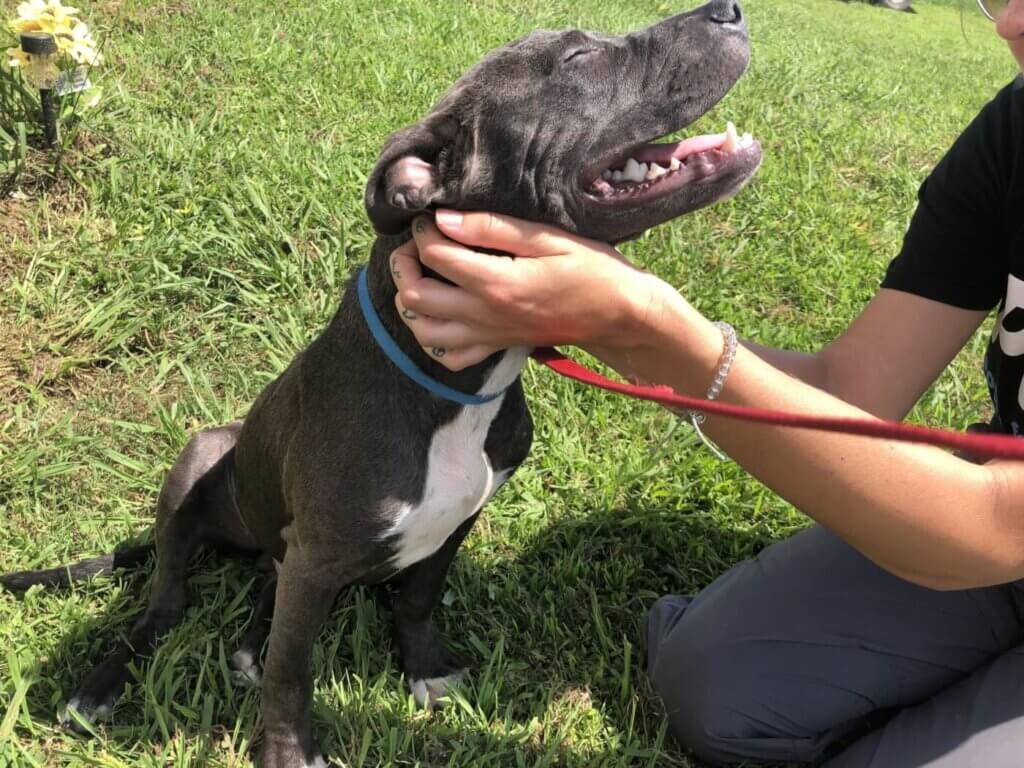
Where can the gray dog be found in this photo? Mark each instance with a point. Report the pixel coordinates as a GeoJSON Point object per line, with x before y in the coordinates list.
{"type": "Point", "coordinates": [348, 470]}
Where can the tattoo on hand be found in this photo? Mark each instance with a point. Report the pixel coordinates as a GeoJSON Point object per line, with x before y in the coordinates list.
{"type": "Point", "coordinates": [421, 227]}
{"type": "Point", "coordinates": [394, 269]}
{"type": "Point", "coordinates": [438, 352]}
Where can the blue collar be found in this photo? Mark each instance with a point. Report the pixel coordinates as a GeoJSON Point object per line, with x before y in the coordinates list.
{"type": "Point", "coordinates": [402, 361]}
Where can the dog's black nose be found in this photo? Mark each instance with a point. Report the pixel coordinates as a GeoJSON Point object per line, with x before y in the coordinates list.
{"type": "Point", "coordinates": [725, 12]}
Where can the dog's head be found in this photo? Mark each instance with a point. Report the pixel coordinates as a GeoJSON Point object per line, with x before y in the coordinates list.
{"type": "Point", "coordinates": [555, 127]}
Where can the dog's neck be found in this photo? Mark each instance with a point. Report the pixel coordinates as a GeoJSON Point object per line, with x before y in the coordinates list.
{"type": "Point", "coordinates": [382, 293]}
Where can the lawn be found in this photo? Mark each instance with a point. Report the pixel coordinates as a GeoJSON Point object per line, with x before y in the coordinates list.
{"type": "Point", "coordinates": [213, 211]}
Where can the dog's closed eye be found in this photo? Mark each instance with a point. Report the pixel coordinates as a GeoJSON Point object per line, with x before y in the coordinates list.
{"type": "Point", "coordinates": [577, 53]}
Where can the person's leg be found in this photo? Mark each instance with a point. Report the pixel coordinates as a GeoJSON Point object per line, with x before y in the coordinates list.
{"type": "Point", "coordinates": [975, 723]}
{"type": "Point", "coordinates": [788, 653]}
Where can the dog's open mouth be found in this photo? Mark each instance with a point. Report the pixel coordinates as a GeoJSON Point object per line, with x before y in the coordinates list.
{"type": "Point", "coordinates": [650, 171]}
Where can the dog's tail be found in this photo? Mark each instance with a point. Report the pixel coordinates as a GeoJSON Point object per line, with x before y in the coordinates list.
{"type": "Point", "coordinates": [127, 559]}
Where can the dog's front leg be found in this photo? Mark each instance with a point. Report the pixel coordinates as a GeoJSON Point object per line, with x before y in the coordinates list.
{"type": "Point", "coordinates": [429, 666]}
{"type": "Point", "coordinates": [304, 598]}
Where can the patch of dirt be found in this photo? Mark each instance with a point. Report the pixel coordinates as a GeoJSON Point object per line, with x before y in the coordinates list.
{"type": "Point", "coordinates": [40, 177]}
{"type": "Point", "coordinates": [31, 357]}
{"type": "Point", "coordinates": [33, 351]}
{"type": "Point", "coordinates": [782, 310]}
{"type": "Point", "coordinates": [12, 223]}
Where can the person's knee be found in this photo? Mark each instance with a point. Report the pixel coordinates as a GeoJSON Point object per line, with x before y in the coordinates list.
{"type": "Point", "coordinates": [704, 701]}
{"type": "Point", "coordinates": [714, 692]}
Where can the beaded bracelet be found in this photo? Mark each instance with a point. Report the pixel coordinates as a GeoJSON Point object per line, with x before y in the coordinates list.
{"type": "Point", "coordinates": [729, 346]}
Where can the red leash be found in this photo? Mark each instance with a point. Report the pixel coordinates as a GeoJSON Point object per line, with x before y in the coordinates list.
{"type": "Point", "coordinates": [977, 445]}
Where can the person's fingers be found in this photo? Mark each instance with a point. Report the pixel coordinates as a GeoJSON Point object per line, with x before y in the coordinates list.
{"type": "Point", "coordinates": [462, 265]}
{"type": "Point", "coordinates": [405, 264]}
{"type": "Point", "coordinates": [504, 233]}
{"type": "Point", "coordinates": [441, 339]}
{"type": "Point", "coordinates": [446, 302]}
{"type": "Point", "coordinates": [405, 313]}
{"type": "Point", "coordinates": [435, 332]}
{"type": "Point", "coordinates": [459, 358]}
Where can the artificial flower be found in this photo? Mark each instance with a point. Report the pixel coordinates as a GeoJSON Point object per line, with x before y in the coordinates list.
{"type": "Point", "coordinates": [79, 45]}
{"type": "Point", "coordinates": [17, 57]}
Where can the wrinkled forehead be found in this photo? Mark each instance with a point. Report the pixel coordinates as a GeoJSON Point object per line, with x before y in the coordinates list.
{"type": "Point", "coordinates": [524, 60]}
{"type": "Point", "coordinates": [539, 49]}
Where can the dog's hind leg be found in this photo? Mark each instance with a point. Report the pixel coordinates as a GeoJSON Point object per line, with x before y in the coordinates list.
{"type": "Point", "coordinates": [176, 544]}
{"type": "Point", "coordinates": [195, 507]}
{"type": "Point", "coordinates": [429, 666]}
{"type": "Point", "coordinates": [246, 660]}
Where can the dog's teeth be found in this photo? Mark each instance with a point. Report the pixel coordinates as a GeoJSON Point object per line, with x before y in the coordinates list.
{"type": "Point", "coordinates": [654, 171]}
{"type": "Point", "coordinates": [675, 165]}
{"type": "Point", "coordinates": [746, 140]}
{"type": "Point", "coordinates": [732, 138]}
{"type": "Point", "coordinates": [617, 176]}
{"type": "Point", "coordinates": [632, 171]}
{"type": "Point", "coordinates": [607, 175]}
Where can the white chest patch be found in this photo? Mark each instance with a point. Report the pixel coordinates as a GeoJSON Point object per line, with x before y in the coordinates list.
{"type": "Point", "coordinates": [460, 478]}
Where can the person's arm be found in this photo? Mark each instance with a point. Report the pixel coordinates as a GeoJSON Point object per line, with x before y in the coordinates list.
{"type": "Point", "coordinates": [889, 355]}
{"type": "Point", "coordinates": [809, 367]}
{"type": "Point", "coordinates": [915, 510]}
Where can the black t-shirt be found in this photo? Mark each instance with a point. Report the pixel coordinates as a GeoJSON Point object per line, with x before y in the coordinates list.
{"type": "Point", "coordinates": [965, 244]}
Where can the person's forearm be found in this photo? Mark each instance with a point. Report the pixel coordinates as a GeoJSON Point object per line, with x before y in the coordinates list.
{"type": "Point", "coordinates": [815, 370]}
{"type": "Point", "coordinates": [915, 510]}
{"type": "Point", "coordinates": [806, 367]}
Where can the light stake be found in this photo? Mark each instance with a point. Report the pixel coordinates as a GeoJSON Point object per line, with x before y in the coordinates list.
{"type": "Point", "coordinates": [42, 73]}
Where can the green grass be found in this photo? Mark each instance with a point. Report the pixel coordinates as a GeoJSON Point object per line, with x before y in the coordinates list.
{"type": "Point", "coordinates": [203, 237]}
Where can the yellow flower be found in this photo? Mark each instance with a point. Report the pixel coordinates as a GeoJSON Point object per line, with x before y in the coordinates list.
{"type": "Point", "coordinates": [44, 16]}
{"type": "Point", "coordinates": [28, 16]}
{"type": "Point", "coordinates": [61, 14]}
{"type": "Point", "coordinates": [21, 26]}
{"type": "Point", "coordinates": [31, 9]}
{"type": "Point", "coordinates": [72, 36]}
{"type": "Point", "coordinates": [18, 58]}
{"type": "Point", "coordinates": [79, 45]}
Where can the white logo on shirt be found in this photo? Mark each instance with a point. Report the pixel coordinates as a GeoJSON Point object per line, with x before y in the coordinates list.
{"type": "Point", "coordinates": [1012, 342]}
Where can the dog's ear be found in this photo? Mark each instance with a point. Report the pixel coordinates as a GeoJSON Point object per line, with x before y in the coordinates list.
{"type": "Point", "coordinates": [409, 175]}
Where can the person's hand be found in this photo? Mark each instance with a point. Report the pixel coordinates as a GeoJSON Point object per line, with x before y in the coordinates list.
{"type": "Point", "coordinates": [556, 289]}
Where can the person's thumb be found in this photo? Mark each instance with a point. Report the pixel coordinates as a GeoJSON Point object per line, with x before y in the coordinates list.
{"type": "Point", "coordinates": [502, 233]}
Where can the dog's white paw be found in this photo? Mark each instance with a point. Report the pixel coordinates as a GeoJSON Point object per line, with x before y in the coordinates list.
{"type": "Point", "coordinates": [429, 690]}
{"type": "Point", "coordinates": [76, 713]}
{"type": "Point", "coordinates": [247, 672]}
{"type": "Point", "coordinates": [319, 762]}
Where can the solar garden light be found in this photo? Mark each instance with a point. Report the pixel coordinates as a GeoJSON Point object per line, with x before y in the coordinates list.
{"type": "Point", "coordinates": [42, 73]}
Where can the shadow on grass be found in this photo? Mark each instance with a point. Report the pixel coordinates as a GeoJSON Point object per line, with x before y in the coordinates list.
{"type": "Point", "coordinates": [552, 628]}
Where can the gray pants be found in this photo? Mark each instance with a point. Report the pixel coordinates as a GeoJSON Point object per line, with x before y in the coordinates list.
{"type": "Point", "coordinates": [812, 653]}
